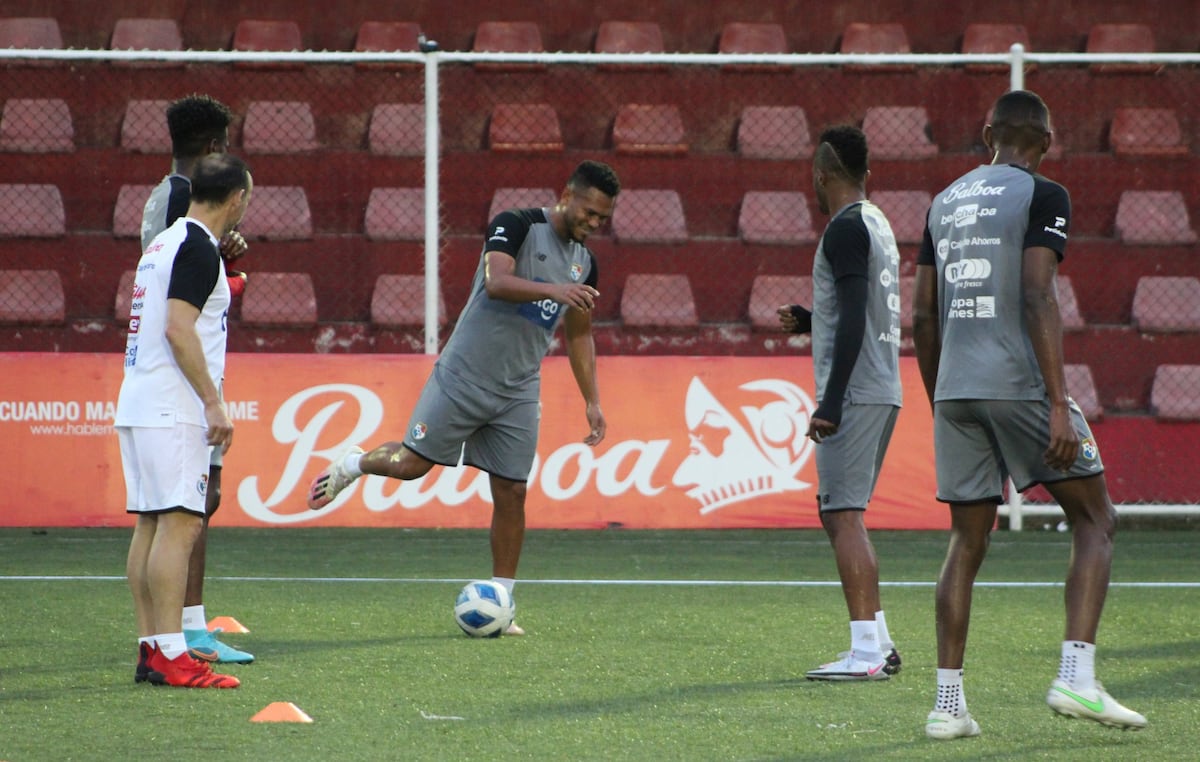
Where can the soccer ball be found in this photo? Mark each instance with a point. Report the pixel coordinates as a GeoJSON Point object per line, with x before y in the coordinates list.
{"type": "Point", "coordinates": [484, 609]}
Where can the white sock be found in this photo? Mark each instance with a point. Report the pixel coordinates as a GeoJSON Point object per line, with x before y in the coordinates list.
{"type": "Point", "coordinates": [148, 640]}
{"type": "Point", "coordinates": [864, 640]}
{"type": "Point", "coordinates": [950, 696]}
{"type": "Point", "coordinates": [508, 583]}
{"type": "Point", "coordinates": [886, 643]}
{"type": "Point", "coordinates": [194, 618]}
{"type": "Point", "coordinates": [351, 464]}
{"type": "Point", "coordinates": [1078, 665]}
{"type": "Point", "coordinates": [172, 644]}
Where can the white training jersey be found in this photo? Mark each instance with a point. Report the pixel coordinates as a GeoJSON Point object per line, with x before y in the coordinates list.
{"type": "Point", "coordinates": [181, 263]}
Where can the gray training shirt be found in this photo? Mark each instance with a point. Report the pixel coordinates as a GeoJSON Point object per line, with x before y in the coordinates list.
{"type": "Point", "coordinates": [976, 235]}
{"type": "Point", "coordinates": [500, 345]}
{"type": "Point", "coordinates": [858, 241]}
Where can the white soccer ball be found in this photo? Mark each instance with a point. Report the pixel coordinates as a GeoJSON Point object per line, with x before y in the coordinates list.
{"type": "Point", "coordinates": [484, 609]}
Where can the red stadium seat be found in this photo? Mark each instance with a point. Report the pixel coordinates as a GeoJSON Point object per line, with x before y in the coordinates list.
{"type": "Point", "coordinates": [508, 37]}
{"type": "Point", "coordinates": [1146, 132]}
{"type": "Point", "coordinates": [775, 217]}
{"type": "Point", "coordinates": [1175, 395]}
{"type": "Point", "coordinates": [127, 214]}
{"type": "Point", "coordinates": [147, 34]}
{"type": "Point", "coordinates": [519, 198]}
{"type": "Point", "coordinates": [898, 132]}
{"type": "Point", "coordinates": [906, 210]}
{"type": "Point", "coordinates": [860, 37]}
{"type": "Point", "coordinates": [31, 211]}
{"type": "Point", "coordinates": [1121, 38]}
{"type": "Point", "coordinates": [144, 128]}
{"type": "Point", "coordinates": [659, 301]}
{"type": "Point", "coordinates": [774, 132]}
{"type": "Point", "coordinates": [994, 38]}
{"type": "Point", "coordinates": [1167, 303]}
{"type": "Point", "coordinates": [395, 214]}
{"type": "Point", "coordinates": [387, 36]}
{"type": "Point", "coordinates": [279, 127]}
{"type": "Point", "coordinates": [261, 35]}
{"type": "Point", "coordinates": [36, 125]}
{"type": "Point", "coordinates": [397, 129]}
{"type": "Point", "coordinates": [629, 37]}
{"type": "Point", "coordinates": [739, 37]}
{"type": "Point", "coordinates": [398, 301]}
{"type": "Point", "coordinates": [1082, 389]}
{"type": "Point", "coordinates": [1068, 305]}
{"type": "Point", "coordinates": [650, 216]}
{"type": "Point", "coordinates": [278, 213]}
{"type": "Point", "coordinates": [33, 33]}
{"type": "Point", "coordinates": [31, 297]}
{"type": "Point", "coordinates": [769, 292]}
{"type": "Point", "coordinates": [527, 127]}
{"type": "Point", "coordinates": [279, 299]}
{"type": "Point", "coordinates": [649, 129]}
{"type": "Point", "coordinates": [1153, 217]}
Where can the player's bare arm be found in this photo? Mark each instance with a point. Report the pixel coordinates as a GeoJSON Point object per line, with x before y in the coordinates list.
{"type": "Point", "coordinates": [1044, 321]}
{"type": "Point", "coordinates": [502, 283]}
{"type": "Point", "coordinates": [926, 329]}
{"type": "Point", "coordinates": [189, 356]}
{"type": "Point", "coordinates": [581, 351]}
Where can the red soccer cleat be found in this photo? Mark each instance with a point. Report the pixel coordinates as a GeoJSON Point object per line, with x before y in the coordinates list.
{"type": "Point", "coordinates": [185, 672]}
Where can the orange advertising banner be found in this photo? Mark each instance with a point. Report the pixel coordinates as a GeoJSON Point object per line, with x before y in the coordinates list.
{"type": "Point", "coordinates": [693, 442]}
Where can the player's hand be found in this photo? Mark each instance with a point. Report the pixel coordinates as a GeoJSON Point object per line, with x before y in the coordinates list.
{"type": "Point", "coordinates": [578, 295]}
{"type": "Point", "coordinates": [220, 427]}
{"type": "Point", "coordinates": [233, 246]}
{"type": "Point", "coordinates": [599, 427]}
{"type": "Point", "coordinates": [794, 319]}
{"type": "Point", "coordinates": [1064, 442]}
{"type": "Point", "coordinates": [819, 428]}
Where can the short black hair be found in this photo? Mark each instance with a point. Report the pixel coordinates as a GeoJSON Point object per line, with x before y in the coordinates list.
{"type": "Point", "coordinates": [595, 174]}
{"type": "Point", "coordinates": [849, 145]}
{"type": "Point", "coordinates": [218, 175]}
{"type": "Point", "coordinates": [195, 121]}
{"type": "Point", "coordinates": [1020, 118]}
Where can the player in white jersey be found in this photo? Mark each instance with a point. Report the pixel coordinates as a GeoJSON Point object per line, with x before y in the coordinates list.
{"type": "Point", "coordinates": [988, 336]}
{"type": "Point", "coordinates": [170, 414]}
{"type": "Point", "coordinates": [855, 322]}
{"type": "Point", "coordinates": [481, 402]}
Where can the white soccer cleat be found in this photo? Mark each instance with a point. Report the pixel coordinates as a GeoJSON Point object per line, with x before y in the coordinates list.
{"type": "Point", "coordinates": [943, 726]}
{"type": "Point", "coordinates": [850, 667]}
{"type": "Point", "coordinates": [331, 481]}
{"type": "Point", "coordinates": [1095, 705]}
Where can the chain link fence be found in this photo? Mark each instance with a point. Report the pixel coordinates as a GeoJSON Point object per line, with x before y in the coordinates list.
{"type": "Point", "coordinates": [715, 226]}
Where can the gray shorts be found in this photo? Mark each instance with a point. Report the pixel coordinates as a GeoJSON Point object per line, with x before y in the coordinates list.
{"type": "Point", "coordinates": [980, 443]}
{"type": "Point", "coordinates": [455, 420]}
{"type": "Point", "coordinates": [848, 462]}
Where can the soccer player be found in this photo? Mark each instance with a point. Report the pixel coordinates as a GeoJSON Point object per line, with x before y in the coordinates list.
{"type": "Point", "coordinates": [855, 323]}
{"type": "Point", "coordinates": [170, 413]}
{"type": "Point", "coordinates": [482, 401]}
{"type": "Point", "coordinates": [988, 337]}
{"type": "Point", "coordinates": [199, 126]}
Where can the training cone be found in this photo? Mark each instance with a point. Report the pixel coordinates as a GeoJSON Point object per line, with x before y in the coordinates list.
{"type": "Point", "coordinates": [281, 711]}
{"type": "Point", "coordinates": [227, 624]}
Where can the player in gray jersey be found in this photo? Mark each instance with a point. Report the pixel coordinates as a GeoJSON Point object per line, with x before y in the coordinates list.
{"type": "Point", "coordinates": [988, 337]}
{"type": "Point", "coordinates": [855, 323]}
{"type": "Point", "coordinates": [481, 404]}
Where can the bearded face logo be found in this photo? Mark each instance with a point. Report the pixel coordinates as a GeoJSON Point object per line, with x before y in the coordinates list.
{"type": "Point", "coordinates": [733, 458]}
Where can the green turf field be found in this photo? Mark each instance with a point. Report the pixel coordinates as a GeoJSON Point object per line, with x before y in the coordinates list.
{"type": "Point", "coordinates": [633, 651]}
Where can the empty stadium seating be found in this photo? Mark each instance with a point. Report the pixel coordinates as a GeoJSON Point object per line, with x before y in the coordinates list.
{"type": "Point", "coordinates": [278, 213]}
{"type": "Point", "coordinates": [36, 125]}
{"type": "Point", "coordinates": [650, 216]}
{"type": "Point", "coordinates": [1167, 303]}
{"type": "Point", "coordinates": [387, 36]}
{"type": "Point", "coordinates": [254, 35]}
{"type": "Point", "coordinates": [1068, 304]}
{"type": "Point", "coordinates": [31, 297]}
{"type": "Point", "coordinates": [30, 32]}
{"type": "Point", "coordinates": [774, 132]}
{"type": "Point", "coordinates": [31, 211]}
{"type": "Point", "coordinates": [1175, 395]}
{"type": "Point", "coordinates": [146, 34]}
{"type": "Point", "coordinates": [279, 299]}
{"type": "Point", "coordinates": [776, 217]}
{"type": "Point", "coordinates": [279, 127]}
{"type": "Point", "coordinates": [398, 301]}
{"type": "Point", "coordinates": [529, 127]}
{"type": "Point", "coordinates": [519, 198]}
{"type": "Point", "coordinates": [629, 37]}
{"type": "Point", "coordinates": [397, 129]}
{"type": "Point", "coordinates": [743, 38]}
{"type": "Point", "coordinates": [982, 37]}
{"type": "Point", "coordinates": [1121, 38]}
{"type": "Point", "coordinates": [659, 301]}
{"type": "Point", "coordinates": [395, 214]}
{"type": "Point", "coordinates": [888, 37]}
{"type": "Point", "coordinates": [1146, 132]}
{"type": "Point", "coordinates": [905, 211]}
{"type": "Point", "coordinates": [508, 37]}
{"type": "Point", "coordinates": [127, 214]}
{"type": "Point", "coordinates": [1153, 217]}
{"type": "Point", "coordinates": [1082, 389]}
{"type": "Point", "coordinates": [769, 292]}
{"type": "Point", "coordinates": [144, 127]}
{"type": "Point", "coordinates": [898, 132]}
{"type": "Point", "coordinates": [649, 129]}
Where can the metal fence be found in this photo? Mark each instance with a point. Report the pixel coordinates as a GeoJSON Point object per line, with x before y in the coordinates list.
{"type": "Point", "coordinates": [367, 220]}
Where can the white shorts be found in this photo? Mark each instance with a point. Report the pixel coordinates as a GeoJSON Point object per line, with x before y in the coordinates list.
{"type": "Point", "coordinates": [166, 469]}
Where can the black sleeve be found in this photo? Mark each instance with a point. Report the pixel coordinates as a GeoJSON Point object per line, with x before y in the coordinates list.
{"type": "Point", "coordinates": [194, 273]}
{"type": "Point", "coordinates": [593, 278]}
{"type": "Point", "coordinates": [925, 255]}
{"type": "Point", "coordinates": [847, 343]}
{"type": "Point", "coordinates": [507, 233]}
{"type": "Point", "coordinates": [847, 246]}
{"type": "Point", "coordinates": [1049, 216]}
